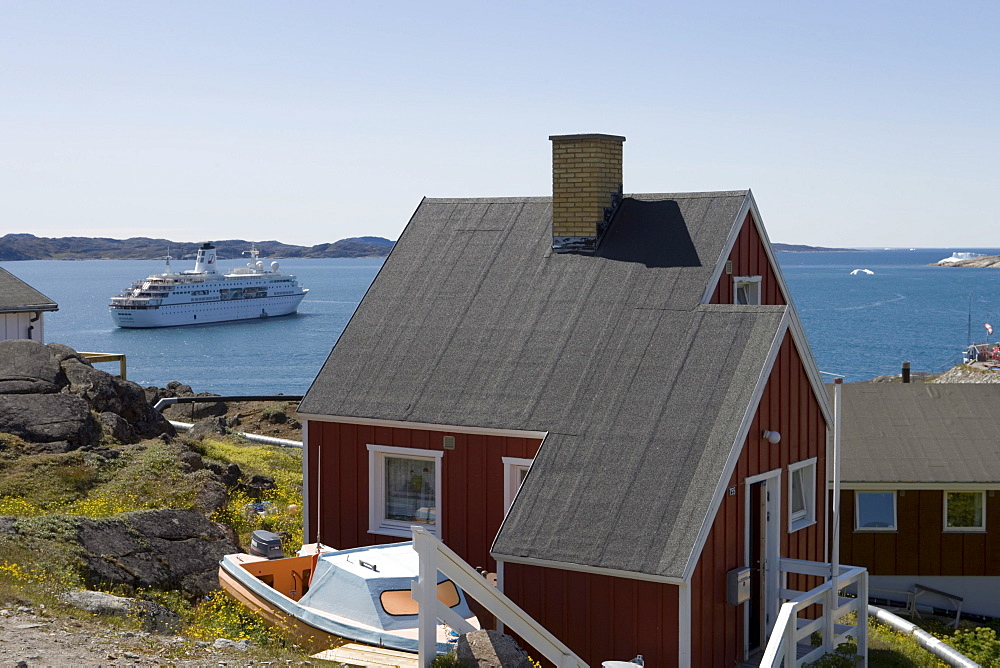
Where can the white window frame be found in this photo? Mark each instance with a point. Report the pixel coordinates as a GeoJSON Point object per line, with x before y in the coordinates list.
{"type": "Point", "coordinates": [807, 477]}
{"type": "Point", "coordinates": [377, 522]}
{"type": "Point", "coordinates": [895, 510]}
{"type": "Point", "coordinates": [753, 282]}
{"type": "Point", "coordinates": [944, 516]}
{"type": "Point", "coordinates": [511, 467]}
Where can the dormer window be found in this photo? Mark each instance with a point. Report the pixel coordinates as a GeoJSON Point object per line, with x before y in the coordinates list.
{"type": "Point", "coordinates": [746, 290]}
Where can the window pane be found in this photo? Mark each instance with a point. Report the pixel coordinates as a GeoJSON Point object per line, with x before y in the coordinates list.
{"type": "Point", "coordinates": [409, 490]}
{"type": "Point", "coordinates": [798, 494]}
{"type": "Point", "coordinates": [965, 510]}
{"type": "Point", "coordinates": [400, 601]}
{"type": "Point", "coordinates": [876, 510]}
{"type": "Point", "coordinates": [743, 293]}
{"type": "Point", "coordinates": [522, 473]}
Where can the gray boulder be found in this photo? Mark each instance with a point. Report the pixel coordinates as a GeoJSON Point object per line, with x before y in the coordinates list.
{"type": "Point", "coordinates": [215, 426]}
{"type": "Point", "coordinates": [490, 649]}
{"type": "Point", "coordinates": [166, 549]}
{"type": "Point", "coordinates": [117, 428]}
{"type": "Point", "coordinates": [106, 393]}
{"type": "Point", "coordinates": [8, 526]}
{"type": "Point", "coordinates": [48, 418]}
{"type": "Point", "coordinates": [29, 367]}
{"type": "Point", "coordinates": [154, 617]}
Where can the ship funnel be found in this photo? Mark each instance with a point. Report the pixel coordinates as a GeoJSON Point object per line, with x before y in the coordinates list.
{"type": "Point", "coordinates": [205, 263]}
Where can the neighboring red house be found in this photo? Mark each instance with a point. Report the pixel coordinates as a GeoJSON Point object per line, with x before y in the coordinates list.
{"type": "Point", "coordinates": [921, 470]}
{"type": "Point", "coordinates": [627, 358]}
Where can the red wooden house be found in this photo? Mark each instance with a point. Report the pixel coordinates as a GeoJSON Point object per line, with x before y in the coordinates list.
{"type": "Point", "coordinates": [584, 393]}
{"type": "Point", "coordinates": [921, 471]}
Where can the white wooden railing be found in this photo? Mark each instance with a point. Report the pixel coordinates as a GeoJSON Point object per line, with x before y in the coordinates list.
{"type": "Point", "coordinates": [436, 556]}
{"type": "Point", "coordinates": [790, 641]}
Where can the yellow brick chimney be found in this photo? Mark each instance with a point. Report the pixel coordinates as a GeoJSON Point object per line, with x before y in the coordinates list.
{"type": "Point", "coordinates": [586, 181]}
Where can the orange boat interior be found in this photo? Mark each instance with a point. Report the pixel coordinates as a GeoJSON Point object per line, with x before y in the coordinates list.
{"type": "Point", "coordinates": [290, 576]}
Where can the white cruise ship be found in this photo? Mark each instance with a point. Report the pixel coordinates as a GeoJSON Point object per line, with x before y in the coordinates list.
{"type": "Point", "coordinates": [203, 295]}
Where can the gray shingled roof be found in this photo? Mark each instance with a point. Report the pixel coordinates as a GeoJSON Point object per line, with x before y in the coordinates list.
{"type": "Point", "coordinates": [474, 322]}
{"type": "Point", "coordinates": [920, 432]}
{"type": "Point", "coordinates": [16, 295]}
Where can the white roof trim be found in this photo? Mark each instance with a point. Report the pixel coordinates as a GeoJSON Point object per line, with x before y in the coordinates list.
{"type": "Point", "coordinates": [737, 448]}
{"type": "Point", "coordinates": [403, 424]}
{"type": "Point", "coordinates": [580, 568]}
{"type": "Point", "coordinates": [720, 262]}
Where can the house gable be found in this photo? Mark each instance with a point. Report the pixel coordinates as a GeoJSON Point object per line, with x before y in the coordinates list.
{"type": "Point", "coordinates": [748, 258]}
{"type": "Point", "coordinates": [787, 406]}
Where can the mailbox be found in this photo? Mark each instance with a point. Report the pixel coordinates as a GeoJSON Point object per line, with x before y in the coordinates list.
{"type": "Point", "coordinates": [738, 586]}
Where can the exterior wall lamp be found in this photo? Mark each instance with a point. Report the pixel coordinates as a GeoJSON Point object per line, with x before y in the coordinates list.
{"type": "Point", "coordinates": [772, 437]}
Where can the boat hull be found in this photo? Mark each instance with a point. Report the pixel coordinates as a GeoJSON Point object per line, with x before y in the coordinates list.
{"type": "Point", "coordinates": [311, 627]}
{"type": "Point", "coordinates": [176, 315]}
{"type": "Point", "coordinates": [309, 637]}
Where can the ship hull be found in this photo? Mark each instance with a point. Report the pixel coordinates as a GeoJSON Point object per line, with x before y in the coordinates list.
{"type": "Point", "coordinates": [201, 313]}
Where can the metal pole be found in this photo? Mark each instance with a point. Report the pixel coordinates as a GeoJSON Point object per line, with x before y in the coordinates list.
{"type": "Point", "coordinates": [838, 386]}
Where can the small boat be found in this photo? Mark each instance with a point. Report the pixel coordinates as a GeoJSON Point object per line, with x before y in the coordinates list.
{"type": "Point", "coordinates": [868, 272]}
{"type": "Point", "coordinates": [324, 595]}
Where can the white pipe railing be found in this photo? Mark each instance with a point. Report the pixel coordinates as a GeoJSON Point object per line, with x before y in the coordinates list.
{"type": "Point", "coordinates": [435, 556]}
{"type": "Point", "coordinates": [946, 653]}
{"type": "Point", "coordinates": [254, 438]}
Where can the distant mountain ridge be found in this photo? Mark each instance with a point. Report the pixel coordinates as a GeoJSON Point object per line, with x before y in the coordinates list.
{"type": "Point", "coordinates": [29, 247]}
{"type": "Point", "coordinates": [802, 248]}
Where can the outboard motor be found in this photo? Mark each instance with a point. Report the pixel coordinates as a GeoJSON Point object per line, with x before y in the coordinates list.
{"type": "Point", "coordinates": [266, 544]}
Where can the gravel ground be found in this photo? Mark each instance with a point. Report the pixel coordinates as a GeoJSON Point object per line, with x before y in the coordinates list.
{"type": "Point", "coordinates": [31, 638]}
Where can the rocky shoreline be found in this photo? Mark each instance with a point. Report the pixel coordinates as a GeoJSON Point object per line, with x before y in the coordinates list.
{"type": "Point", "coordinates": [984, 262]}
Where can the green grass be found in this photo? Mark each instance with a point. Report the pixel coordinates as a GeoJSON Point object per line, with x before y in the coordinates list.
{"type": "Point", "coordinates": [45, 491]}
{"type": "Point", "coordinates": [888, 648]}
{"type": "Point", "coordinates": [284, 465]}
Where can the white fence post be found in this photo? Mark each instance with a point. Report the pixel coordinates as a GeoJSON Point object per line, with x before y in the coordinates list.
{"type": "Point", "coordinates": [862, 621]}
{"type": "Point", "coordinates": [435, 556]}
{"type": "Point", "coordinates": [425, 589]}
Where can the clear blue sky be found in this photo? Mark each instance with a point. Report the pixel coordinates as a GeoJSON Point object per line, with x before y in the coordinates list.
{"type": "Point", "coordinates": [854, 123]}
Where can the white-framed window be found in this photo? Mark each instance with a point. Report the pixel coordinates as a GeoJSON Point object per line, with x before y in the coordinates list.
{"type": "Point", "coordinates": [515, 469]}
{"type": "Point", "coordinates": [746, 290]}
{"type": "Point", "coordinates": [404, 488]}
{"type": "Point", "coordinates": [874, 511]}
{"type": "Point", "coordinates": [801, 494]}
{"type": "Point", "coordinates": [964, 511]}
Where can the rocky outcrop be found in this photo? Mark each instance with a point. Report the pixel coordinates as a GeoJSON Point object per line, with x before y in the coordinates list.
{"type": "Point", "coordinates": [982, 262]}
{"type": "Point", "coordinates": [490, 649]}
{"type": "Point", "coordinates": [166, 549]}
{"type": "Point", "coordinates": [28, 367]}
{"type": "Point", "coordinates": [154, 617]}
{"type": "Point", "coordinates": [49, 394]}
{"type": "Point", "coordinates": [62, 421]}
{"type": "Point", "coordinates": [966, 373]}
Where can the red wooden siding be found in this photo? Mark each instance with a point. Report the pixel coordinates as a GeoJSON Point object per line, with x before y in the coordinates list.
{"type": "Point", "coordinates": [789, 407]}
{"type": "Point", "coordinates": [920, 546]}
{"type": "Point", "coordinates": [749, 259]}
{"type": "Point", "coordinates": [471, 479]}
{"type": "Point", "coordinates": [600, 617]}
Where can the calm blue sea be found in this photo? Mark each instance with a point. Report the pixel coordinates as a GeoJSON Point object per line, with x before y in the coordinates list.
{"type": "Point", "coordinates": [276, 355]}
{"type": "Point", "coordinates": [859, 326]}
